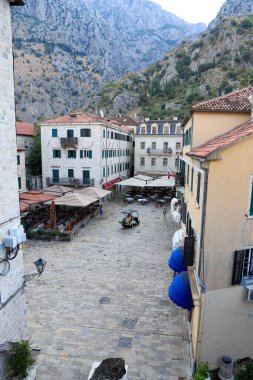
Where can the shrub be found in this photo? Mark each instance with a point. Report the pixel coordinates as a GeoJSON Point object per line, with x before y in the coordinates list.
{"type": "Point", "coordinates": [21, 358]}
{"type": "Point", "coordinates": [245, 373]}
{"type": "Point", "coordinates": [202, 371]}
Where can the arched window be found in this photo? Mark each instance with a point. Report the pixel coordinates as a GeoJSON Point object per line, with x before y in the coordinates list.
{"type": "Point", "coordinates": [166, 129]}
{"type": "Point", "coordinates": [143, 129]}
{"type": "Point", "coordinates": [154, 129]}
{"type": "Point", "coordinates": [178, 129]}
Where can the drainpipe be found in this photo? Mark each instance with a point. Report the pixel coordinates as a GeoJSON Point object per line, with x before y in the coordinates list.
{"type": "Point", "coordinates": [203, 218]}
{"type": "Point", "coordinates": [106, 154]}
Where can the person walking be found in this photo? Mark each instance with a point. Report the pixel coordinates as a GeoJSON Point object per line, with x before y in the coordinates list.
{"type": "Point", "coordinates": [165, 210]}
{"type": "Point", "coordinates": [101, 212]}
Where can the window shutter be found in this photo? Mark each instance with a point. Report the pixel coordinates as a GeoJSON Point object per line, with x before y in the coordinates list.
{"type": "Point", "coordinates": [238, 267]}
{"type": "Point", "coordinates": [198, 188]}
{"type": "Point", "coordinates": [81, 154]}
{"type": "Point", "coordinates": [188, 258]}
{"type": "Point", "coordinates": [54, 153]}
{"type": "Point", "coordinates": [251, 201]}
{"type": "Point", "coordinates": [184, 213]}
{"type": "Point", "coordinates": [69, 154]}
{"type": "Point", "coordinates": [59, 153]}
{"type": "Point", "coordinates": [74, 154]}
{"type": "Point", "coordinates": [90, 153]}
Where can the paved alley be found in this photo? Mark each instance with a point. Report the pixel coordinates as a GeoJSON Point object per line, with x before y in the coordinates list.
{"type": "Point", "coordinates": [105, 295]}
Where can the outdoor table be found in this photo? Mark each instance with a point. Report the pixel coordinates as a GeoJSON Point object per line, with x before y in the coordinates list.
{"type": "Point", "coordinates": [129, 200]}
{"type": "Point", "coordinates": [161, 201]}
{"type": "Point", "coordinates": [152, 197]}
{"type": "Point", "coordinates": [142, 201]}
{"type": "Point", "coordinates": [138, 196]}
{"type": "Point", "coordinates": [167, 198]}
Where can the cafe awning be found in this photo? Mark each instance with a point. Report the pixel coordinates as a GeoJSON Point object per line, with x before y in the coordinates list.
{"type": "Point", "coordinates": [74, 200]}
{"type": "Point", "coordinates": [58, 190]}
{"type": "Point", "coordinates": [132, 182]}
{"type": "Point", "coordinates": [180, 291]}
{"type": "Point", "coordinates": [176, 260]}
{"type": "Point", "coordinates": [93, 192]}
{"type": "Point", "coordinates": [162, 182]}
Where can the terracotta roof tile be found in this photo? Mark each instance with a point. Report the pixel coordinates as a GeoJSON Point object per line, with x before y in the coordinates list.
{"type": "Point", "coordinates": [24, 129]}
{"type": "Point", "coordinates": [20, 148]}
{"type": "Point", "coordinates": [36, 196]}
{"type": "Point", "coordinates": [222, 141]}
{"type": "Point", "coordinates": [235, 101]}
{"type": "Point", "coordinates": [125, 120]}
{"type": "Point", "coordinates": [83, 117]}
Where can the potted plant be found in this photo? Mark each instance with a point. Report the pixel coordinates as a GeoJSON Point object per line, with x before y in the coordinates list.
{"type": "Point", "coordinates": [202, 372]}
{"type": "Point", "coordinates": [21, 360]}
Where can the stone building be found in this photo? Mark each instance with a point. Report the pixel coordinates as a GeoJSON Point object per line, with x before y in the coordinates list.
{"type": "Point", "coordinates": [21, 168]}
{"type": "Point", "coordinates": [12, 296]}
{"type": "Point", "coordinates": [80, 149]}
{"type": "Point", "coordinates": [156, 143]}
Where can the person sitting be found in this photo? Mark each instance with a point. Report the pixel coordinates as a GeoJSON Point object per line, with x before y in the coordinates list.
{"type": "Point", "coordinates": [129, 218]}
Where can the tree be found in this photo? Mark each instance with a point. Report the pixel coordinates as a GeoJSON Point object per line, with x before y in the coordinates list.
{"type": "Point", "coordinates": [35, 157]}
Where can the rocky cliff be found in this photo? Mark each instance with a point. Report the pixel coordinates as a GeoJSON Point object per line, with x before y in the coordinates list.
{"type": "Point", "coordinates": [65, 50]}
{"type": "Point", "coordinates": [232, 8]}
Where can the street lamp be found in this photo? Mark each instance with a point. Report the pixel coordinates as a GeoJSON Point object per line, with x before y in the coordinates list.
{"type": "Point", "coordinates": [40, 266]}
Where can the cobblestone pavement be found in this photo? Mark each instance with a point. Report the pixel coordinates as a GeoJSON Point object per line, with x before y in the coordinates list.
{"type": "Point", "coordinates": [105, 295]}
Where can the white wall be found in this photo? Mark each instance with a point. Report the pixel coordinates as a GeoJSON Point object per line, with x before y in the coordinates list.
{"type": "Point", "coordinates": [96, 143]}
{"type": "Point", "coordinates": [21, 171]}
{"type": "Point", "coordinates": [159, 139]}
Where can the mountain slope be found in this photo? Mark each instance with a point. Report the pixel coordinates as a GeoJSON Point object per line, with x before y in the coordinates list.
{"type": "Point", "coordinates": [65, 50]}
{"type": "Point", "coordinates": [232, 8]}
{"type": "Point", "coordinates": [218, 62]}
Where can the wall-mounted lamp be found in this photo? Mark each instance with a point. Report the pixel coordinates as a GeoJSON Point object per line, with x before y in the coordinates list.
{"type": "Point", "coordinates": [40, 265]}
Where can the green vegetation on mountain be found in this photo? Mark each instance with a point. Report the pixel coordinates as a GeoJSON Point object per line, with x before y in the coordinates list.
{"type": "Point", "coordinates": [220, 61]}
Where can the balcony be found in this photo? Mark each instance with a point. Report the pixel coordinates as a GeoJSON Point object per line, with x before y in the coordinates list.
{"type": "Point", "coordinates": [69, 142]}
{"type": "Point", "coordinates": [160, 152]}
{"type": "Point", "coordinates": [179, 180]}
{"type": "Point", "coordinates": [86, 182]}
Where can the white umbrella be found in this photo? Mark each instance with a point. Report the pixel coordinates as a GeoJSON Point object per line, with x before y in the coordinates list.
{"type": "Point", "coordinates": [58, 190]}
{"type": "Point", "coordinates": [143, 177]}
{"type": "Point", "coordinates": [133, 182]}
{"type": "Point", "coordinates": [178, 239]}
{"type": "Point", "coordinates": [176, 216]}
{"type": "Point", "coordinates": [74, 200]}
{"type": "Point", "coordinates": [162, 182]}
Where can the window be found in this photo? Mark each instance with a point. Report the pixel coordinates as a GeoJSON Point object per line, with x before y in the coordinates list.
{"type": "Point", "coordinates": [178, 129]}
{"type": "Point", "coordinates": [70, 133]}
{"type": "Point", "coordinates": [153, 145]}
{"type": "Point", "coordinates": [142, 145]}
{"type": "Point", "coordinates": [154, 129]}
{"type": "Point", "coordinates": [56, 153]}
{"type": "Point", "coordinates": [111, 135]}
{"type": "Point", "coordinates": [115, 168]}
{"type": "Point", "coordinates": [111, 169]}
{"type": "Point", "coordinates": [166, 129]}
{"type": "Point", "coordinates": [19, 183]}
{"type": "Point", "coordinates": [108, 134]}
{"type": "Point", "coordinates": [71, 153]}
{"type": "Point", "coordinates": [250, 210]}
{"type": "Point", "coordinates": [85, 153]}
{"type": "Point", "coordinates": [188, 170]}
{"type": "Point", "coordinates": [103, 133]}
{"type": "Point", "coordinates": [153, 161]}
{"type": "Point", "coordinates": [243, 265]}
{"type": "Point", "coordinates": [18, 159]}
{"type": "Point", "coordinates": [165, 161]}
{"type": "Point", "coordinates": [103, 171]}
{"type": "Point", "coordinates": [56, 175]}
{"type": "Point", "coordinates": [70, 173]}
{"type": "Point", "coordinates": [85, 132]}
{"type": "Point", "coordinates": [143, 129]}
{"type": "Point", "coordinates": [178, 145]}
{"type": "Point", "coordinates": [198, 188]}
{"type": "Point", "coordinates": [186, 137]}
{"type": "Point", "coordinates": [26, 144]}
{"type": "Point", "coordinates": [176, 162]}
{"type": "Point", "coordinates": [142, 161]}
{"type": "Point", "coordinates": [108, 170]}
{"type": "Point", "coordinates": [54, 132]}
{"type": "Point", "coordinates": [192, 177]}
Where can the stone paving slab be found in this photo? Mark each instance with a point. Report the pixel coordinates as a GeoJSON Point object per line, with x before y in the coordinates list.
{"type": "Point", "coordinates": [128, 266]}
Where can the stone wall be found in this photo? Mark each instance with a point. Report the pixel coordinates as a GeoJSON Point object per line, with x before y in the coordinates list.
{"type": "Point", "coordinates": [12, 313]}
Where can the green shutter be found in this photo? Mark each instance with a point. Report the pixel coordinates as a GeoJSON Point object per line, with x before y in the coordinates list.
{"type": "Point", "coordinates": [69, 156]}
{"type": "Point", "coordinates": [74, 154]}
{"type": "Point", "coordinates": [54, 153]}
{"type": "Point", "coordinates": [59, 153]}
{"type": "Point", "coordinates": [81, 154]}
{"type": "Point", "coordinates": [198, 188]}
{"type": "Point", "coordinates": [251, 200]}
{"type": "Point", "coordinates": [90, 153]}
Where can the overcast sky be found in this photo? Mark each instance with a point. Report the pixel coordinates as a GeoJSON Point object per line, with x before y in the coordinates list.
{"type": "Point", "coordinates": [192, 10]}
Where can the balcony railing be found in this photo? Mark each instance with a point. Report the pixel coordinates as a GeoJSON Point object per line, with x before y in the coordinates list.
{"type": "Point", "coordinates": [164, 151]}
{"type": "Point", "coordinates": [69, 141]}
{"type": "Point", "coordinates": [85, 182]}
{"type": "Point", "coordinates": [179, 179]}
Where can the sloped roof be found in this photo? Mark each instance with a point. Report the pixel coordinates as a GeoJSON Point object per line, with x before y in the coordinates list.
{"type": "Point", "coordinates": [125, 120]}
{"type": "Point", "coordinates": [20, 148]}
{"type": "Point", "coordinates": [36, 196]}
{"type": "Point", "coordinates": [83, 117]}
{"type": "Point", "coordinates": [237, 101]}
{"type": "Point", "coordinates": [235, 135]}
{"type": "Point", "coordinates": [24, 129]}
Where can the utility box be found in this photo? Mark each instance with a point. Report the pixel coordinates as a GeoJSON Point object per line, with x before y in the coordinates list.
{"type": "Point", "coordinates": [10, 242]}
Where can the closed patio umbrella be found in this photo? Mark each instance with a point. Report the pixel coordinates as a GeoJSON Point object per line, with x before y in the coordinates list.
{"type": "Point", "coordinates": [52, 215]}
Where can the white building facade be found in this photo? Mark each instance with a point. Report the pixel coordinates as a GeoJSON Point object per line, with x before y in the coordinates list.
{"type": "Point", "coordinates": [156, 143]}
{"type": "Point", "coordinates": [84, 150]}
{"type": "Point", "coordinates": [12, 298]}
